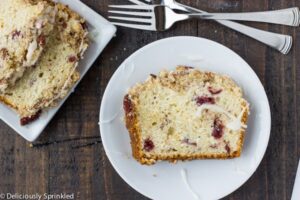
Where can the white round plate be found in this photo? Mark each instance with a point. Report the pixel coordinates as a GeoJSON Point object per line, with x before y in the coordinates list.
{"type": "Point", "coordinates": [198, 179]}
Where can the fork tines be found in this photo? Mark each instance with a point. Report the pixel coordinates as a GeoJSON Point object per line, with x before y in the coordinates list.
{"type": "Point", "coordinates": [133, 16]}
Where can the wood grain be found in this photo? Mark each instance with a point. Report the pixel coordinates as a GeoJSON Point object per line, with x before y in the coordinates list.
{"type": "Point", "coordinates": [69, 156]}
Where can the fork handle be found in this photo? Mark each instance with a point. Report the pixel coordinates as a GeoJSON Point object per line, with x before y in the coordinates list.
{"type": "Point", "coordinates": [282, 43]}
{"type": "Point", "coordinates": [289, 16]}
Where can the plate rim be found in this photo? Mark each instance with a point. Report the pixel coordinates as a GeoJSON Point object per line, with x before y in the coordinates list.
{"type": "Point", "coordinates": [157, 42]}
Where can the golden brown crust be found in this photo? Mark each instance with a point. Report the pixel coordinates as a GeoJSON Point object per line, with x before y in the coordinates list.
{"type": "Point", "coordinates": [131, 124]}
{"type": "Point", "coordinates": [5, 101]}
{"type": "Point", "coordinates": [243, 132]}
{"type": "Point", "coordinates": [133, 127]}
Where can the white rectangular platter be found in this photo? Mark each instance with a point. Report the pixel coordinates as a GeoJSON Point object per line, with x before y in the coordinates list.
{"type": "Point", "coordinates": [102, 32]}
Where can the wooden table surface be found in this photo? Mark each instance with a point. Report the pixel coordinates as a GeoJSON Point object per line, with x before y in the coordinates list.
{"type": "Point", "coordinates": [70, 158]}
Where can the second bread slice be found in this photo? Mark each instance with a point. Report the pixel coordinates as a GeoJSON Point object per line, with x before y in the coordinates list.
{"type": "Point", "coordinates": [55, 73]}
{"type": "Point", "coordinates": [24, 29]}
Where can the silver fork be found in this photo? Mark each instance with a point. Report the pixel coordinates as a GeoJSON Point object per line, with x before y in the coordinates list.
{"type": "Point", "coordinates": [152, 22]}
{"type": "Point", "coordinates": [289, 16]}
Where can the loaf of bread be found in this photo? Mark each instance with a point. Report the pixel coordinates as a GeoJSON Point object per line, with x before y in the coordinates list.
{"type": "Point", "coordinates": [55, 73]}
{"type": "Point", "coordinates": [185, 114]}
{"type": "Point", "coordinates": [24, 28]}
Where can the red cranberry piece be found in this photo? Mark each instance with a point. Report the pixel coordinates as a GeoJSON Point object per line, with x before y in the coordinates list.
{"type": "Point", "coordinates": [187, 141]}
{"type": "Point", "coordinates": [218, 129]}
{"type": "Point", "coordinates": [4, 53]}
{"type": "Point", "coordinates": [72, 58]}
{"type": "Point", "coordinates": [15, 34]}
{"type": "Point", "coordinates": [64, 25]}
{"type": "Point", "coordinates": [205, 100]}
{"type": "Point", "coordinates": [214, 91]}
{"type": "Point", "coordinates": [26, 120]}
{"type": "Point", "coordinates": [148, 145]}
{"type": "Point", "coordinates": [127, 104]}
{"type": "Point", "coordinates": [41, 40]}
{"type": "Point", "coordinates": [227, 148]}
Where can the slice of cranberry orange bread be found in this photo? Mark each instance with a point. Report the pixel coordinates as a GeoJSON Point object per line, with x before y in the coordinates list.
{"type": "Point", "coordinates": [24, 29]}
{"type": "Point", "coordinates": [186, 114]}
{"type": "Point", "coordinates": [55, 73]}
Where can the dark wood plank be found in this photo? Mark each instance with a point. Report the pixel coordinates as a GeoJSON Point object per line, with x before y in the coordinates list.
{"type": "Point", "coordinates": [69, 156]}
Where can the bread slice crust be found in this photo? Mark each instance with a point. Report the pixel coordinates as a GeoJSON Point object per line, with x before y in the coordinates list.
{"type": "Point", "coordinates": [131, 100]}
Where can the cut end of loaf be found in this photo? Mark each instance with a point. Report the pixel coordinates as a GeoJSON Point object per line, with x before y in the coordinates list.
{"type": "Point", "coordinates": [186, 114]}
